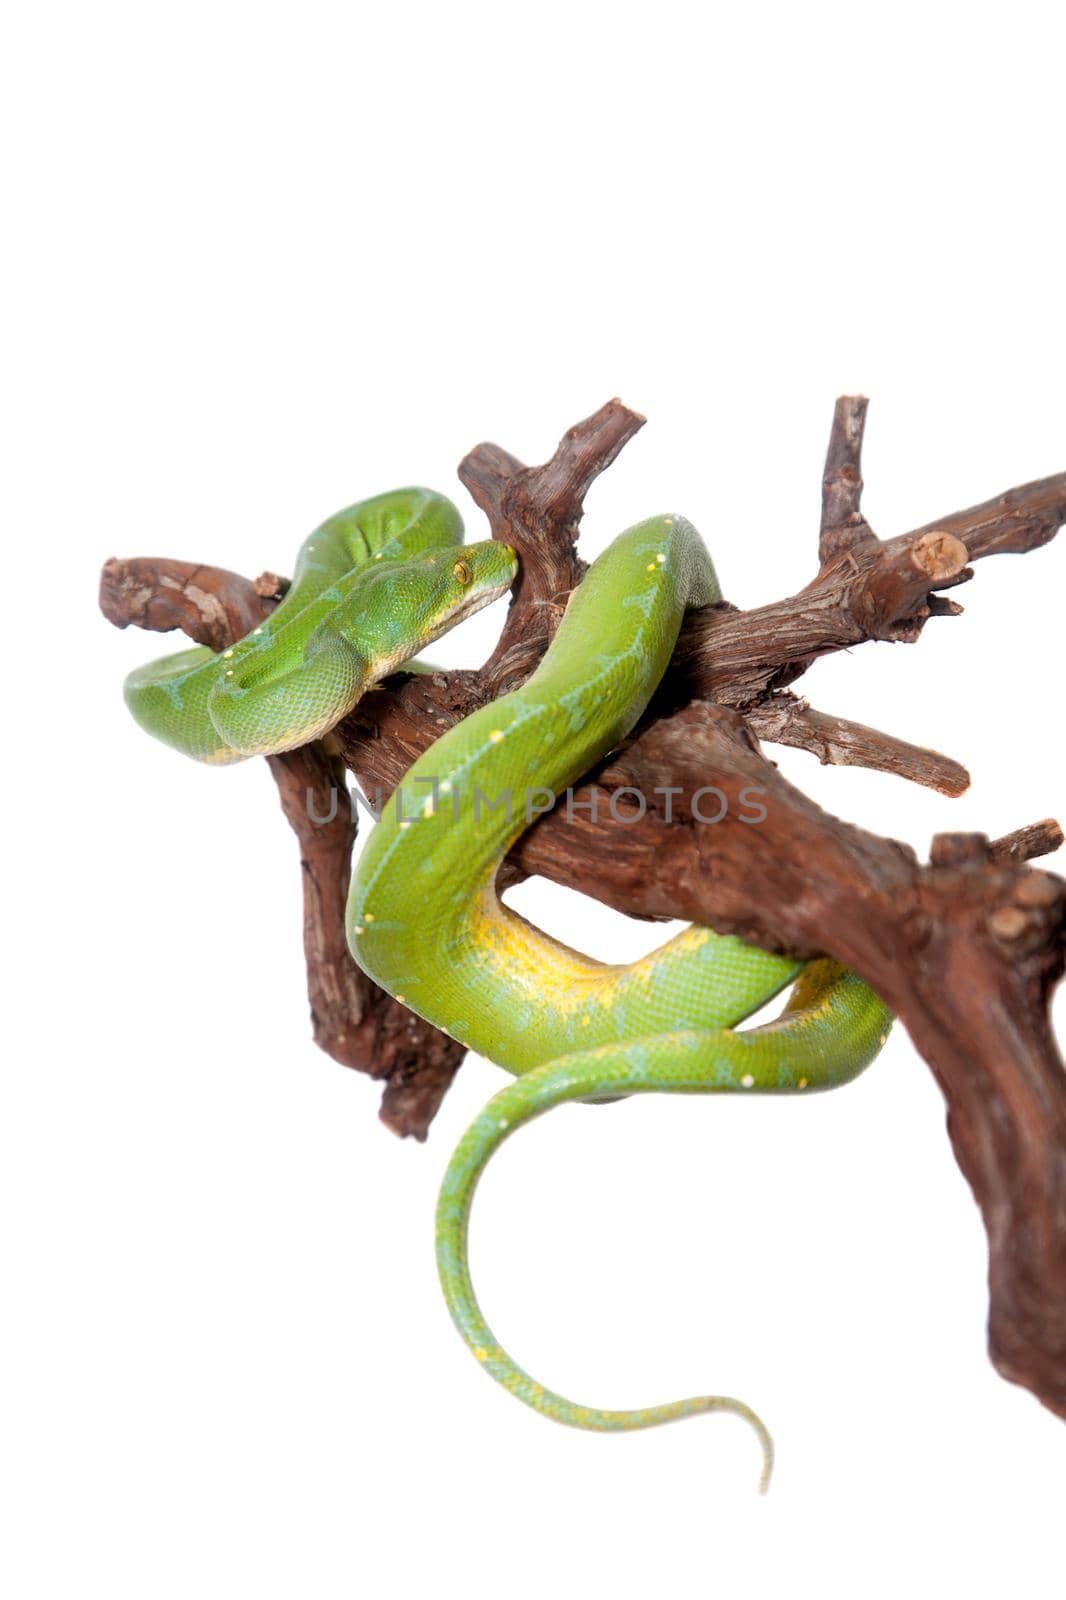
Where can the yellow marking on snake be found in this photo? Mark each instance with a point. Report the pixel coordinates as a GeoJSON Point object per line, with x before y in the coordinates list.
{"type": "Point", "coordinates": [567, 1026]}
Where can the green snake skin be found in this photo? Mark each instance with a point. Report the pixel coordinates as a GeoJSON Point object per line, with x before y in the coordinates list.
{"type": "Point", "coordinates": [373, 586]}
{"type": "Point", "coordinates": [425, 922]}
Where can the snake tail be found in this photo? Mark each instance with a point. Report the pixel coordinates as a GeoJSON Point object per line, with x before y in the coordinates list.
{"type": "Point", "coordinates": [426, 922]}
{"type": "Point", "coordinates": [831, 1034]}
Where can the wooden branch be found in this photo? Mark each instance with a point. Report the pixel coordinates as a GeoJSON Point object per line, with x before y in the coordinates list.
{"type": "Point", "coordinates": [352, 1020]}
{"type": "Point", "coordinates": [537, 511]}
{"type": "Point", "coordinates": [212, 606]}
{"type": "Point", "coordinates": [1025, 844]}
{"type": "Point", "coordinates": [964, 948]}
{"type": "Point", "coordinates": [878, 590]}
{"type": "Point", "coordinates": [783, 719]}
{"type": "Point", "coordinates": [843, 524]}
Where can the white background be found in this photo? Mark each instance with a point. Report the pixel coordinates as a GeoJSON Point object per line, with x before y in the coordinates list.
{"type": "Point", "coordinates": [262, 261]}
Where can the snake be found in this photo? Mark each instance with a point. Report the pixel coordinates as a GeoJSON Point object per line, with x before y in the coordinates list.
{"type": "Point", "coordinates": [425, 921]}
{"type": "Point", "coordinates": [372, 586]}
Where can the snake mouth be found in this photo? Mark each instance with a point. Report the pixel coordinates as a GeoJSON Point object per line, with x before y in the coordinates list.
{"type": "Point", "coordinates": [440, 625]}
{"type": "Point", "coordinates": [467, 606]}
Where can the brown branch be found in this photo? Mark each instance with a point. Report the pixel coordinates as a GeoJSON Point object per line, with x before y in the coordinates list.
{"type": "Point", "coordinates": [783, 719]}
{"type": "Point", "coordinates": [352, 1020]}
{"type": "Point", "coordinates": [1025, 844]}
{"type": "Point", "coordinates": [879, 590]}
{"type": "Point", "coordinates": [212, 606]}
{"type": "Point", "coordinates": [964, 948]}
{"type": "Point", "coordinates": [1012, 523]}
{"type": "Point", "coordinates": [843, 524]}
{"type": "Point", "coordinates": [537, 510]}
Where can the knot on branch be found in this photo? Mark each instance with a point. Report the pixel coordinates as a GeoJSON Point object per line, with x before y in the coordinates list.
{"type": "Point", "coordinates": [1028, 924]}
{"type": "Point", "coordinates": [939, 556]}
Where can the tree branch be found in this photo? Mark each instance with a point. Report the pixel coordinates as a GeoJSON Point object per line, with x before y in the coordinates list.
{"type": "Point", "coordinates": [843, 524]}
{"type": "Point", "coordinates": [352, 1020]}
{"type": "Point", "coordinates": [537, 511]}
{"type": "Point", "coordinates": [1025, 844]}
{"type": "Point", "coordinates": [212, 606]}
{"type": "Point", "coordinates": [783, 719]}
{"type": "Point", "coordinates": [880, 590]}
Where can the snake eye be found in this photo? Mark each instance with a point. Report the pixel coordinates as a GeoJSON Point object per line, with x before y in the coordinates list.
{"type": "Point", "coordinates": [462, 571]}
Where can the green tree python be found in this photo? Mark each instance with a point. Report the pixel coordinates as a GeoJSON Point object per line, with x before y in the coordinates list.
{"type": "Point", "coordinates": [374, 585]}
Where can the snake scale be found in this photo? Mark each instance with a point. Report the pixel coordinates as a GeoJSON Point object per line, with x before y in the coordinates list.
{"type": "Point", "coordinates": [372, 586]}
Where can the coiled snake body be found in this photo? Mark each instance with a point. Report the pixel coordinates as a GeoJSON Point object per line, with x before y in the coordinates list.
{"type": "Point", "coordinates": [371, 587]}
{"type": "Point", "coordinates": [424, 920]}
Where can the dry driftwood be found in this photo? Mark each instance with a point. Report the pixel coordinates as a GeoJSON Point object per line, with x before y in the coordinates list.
{"type": "Point", "coordinates": [965, 948]}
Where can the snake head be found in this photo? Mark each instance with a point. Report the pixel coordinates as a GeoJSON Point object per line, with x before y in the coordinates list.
{"type": "Point", "coordinates": [400, 606]}
{"type": "Point", "coordinates": [464, 581]}
{"type": "Point", "coordinates": [416, 600]}
{"type": "Point", "coordinates": [310, 671]}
